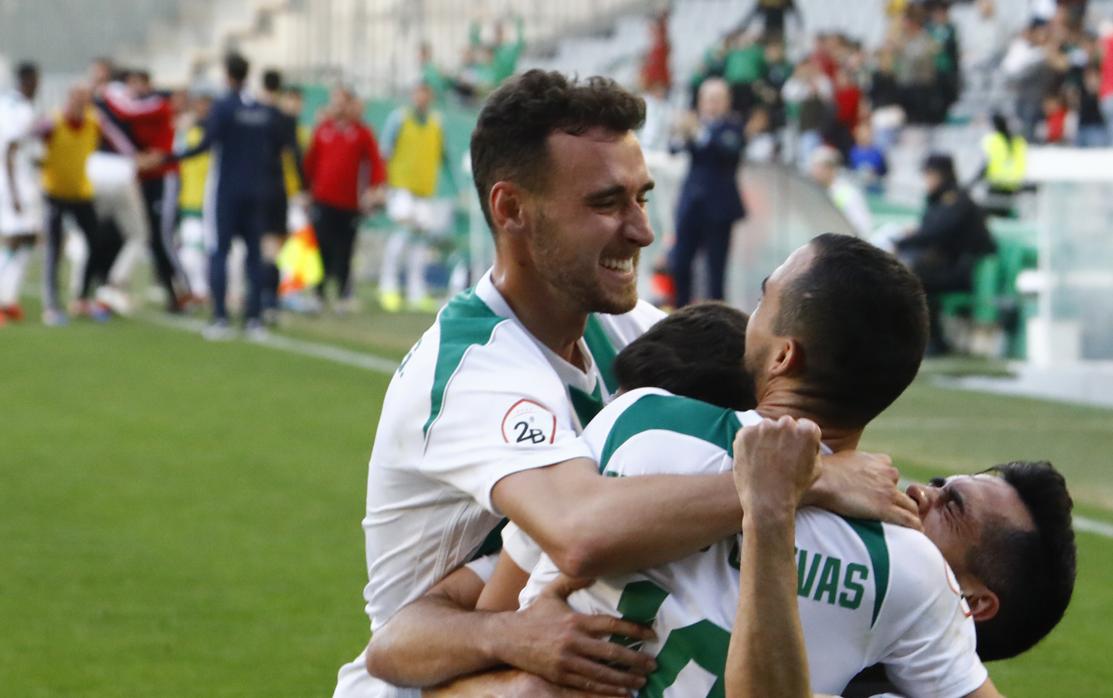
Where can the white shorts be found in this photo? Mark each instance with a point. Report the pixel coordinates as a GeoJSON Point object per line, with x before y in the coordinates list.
{"type": "Point", "coordinates": [29, 219]}
{"type": "Point", "coordinates": [110, 173]}
{"type": "Point", "coordinates": [426, 214]}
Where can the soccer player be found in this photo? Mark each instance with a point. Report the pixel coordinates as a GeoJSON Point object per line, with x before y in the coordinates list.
{"type": "Point", "coordinates": [193, 174]}
{"type": "Point", "coordinates": [480, 420]}
{"type": "Point", "coordinates": [413, 142]}
{"type": "Point", "coordinates": [870, 592]}
{"type": "Point", "coordinates": [20, 198]}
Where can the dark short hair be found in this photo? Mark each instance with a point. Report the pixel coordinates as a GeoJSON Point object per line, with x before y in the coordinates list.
{"type": "Point", "coordinates": [144, 75]}
{"type": "Point", "coordinates": [272, 80]}
{"type": "Point", "coordinates": [1032, 572]}
{"type": "Point", "coordinates": [236, 66]}
{"type": "Point", "coordinates": [26, 70]}
{"type": "Point", "coordinates": [860, 317]}
{"type": "Point", "coordinates": [697, 352]}
{"type": "Point", "coordinates": [509, 141]}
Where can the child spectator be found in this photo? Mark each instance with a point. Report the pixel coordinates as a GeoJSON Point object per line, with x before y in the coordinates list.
{"type": "Point", "coordinates": [868, 160]}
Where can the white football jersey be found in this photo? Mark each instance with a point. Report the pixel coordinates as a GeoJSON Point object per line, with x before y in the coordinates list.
{"type": "Point", "coordinates": [17, 126]}
{"type": "Point", "coordinates": [868, 592]}
{"type": "Point", "coordinates": [476, 399]}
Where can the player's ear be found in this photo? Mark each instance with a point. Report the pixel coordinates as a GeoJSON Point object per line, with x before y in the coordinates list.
{"type": "Point", "coordinates": [788, 358]}
{"type": "Point", "coordinates": [508, 210]}
{"type": "Point", "coordinates": [983, 603]}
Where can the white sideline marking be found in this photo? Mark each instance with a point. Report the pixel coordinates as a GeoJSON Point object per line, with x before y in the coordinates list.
{"type": "Point", "coordinates": [328, 352]}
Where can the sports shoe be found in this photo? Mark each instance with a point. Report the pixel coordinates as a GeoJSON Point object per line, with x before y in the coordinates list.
{"type": "Point", "coordinates": [12, 312]}
{"type": "Point", "coordinates": [255, 331]}
{"type": "Point", "coordinates": [115, 300]}
{"type": "Point", "coordinates": [53, 317]}
{"type": "Point", "coordinates": [391, 301]}
{"type": "Point", "coordinates": [218, 331]}
{"type": "Point", "coordinates": [98, 312]}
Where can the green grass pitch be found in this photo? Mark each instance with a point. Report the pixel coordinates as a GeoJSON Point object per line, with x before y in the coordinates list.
{"type": "Point", "coordinates": [179, 518]}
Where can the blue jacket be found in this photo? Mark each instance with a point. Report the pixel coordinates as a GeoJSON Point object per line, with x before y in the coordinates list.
{"type": "Point", "coordinates": [712, 180]}
{"type": "Point", "coordinates": [247, 138]}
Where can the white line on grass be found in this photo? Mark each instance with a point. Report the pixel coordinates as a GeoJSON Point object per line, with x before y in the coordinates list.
{"type": "Point", "coordinates": [380, 364]}
{"type": "Point", "coordinates": [328, 352]}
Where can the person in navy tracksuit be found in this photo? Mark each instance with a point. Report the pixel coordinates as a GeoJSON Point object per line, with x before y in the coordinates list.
{"type": "Point", "coordinates": [247, 138]}
{"type": "Point", "coordinates": [710, 202]}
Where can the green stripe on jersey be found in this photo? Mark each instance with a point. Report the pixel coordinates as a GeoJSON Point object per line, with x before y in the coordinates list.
{"type": "Point", "coordinates": [464, 322]}
{"type": "Point", "coordinates": [602, 352]}
{"type": "Point", "coordinates": [873, 536]}
{"type": "Point", "coordinates": [715, 425]}
{"type": "Point", "coordinates": [586, 406]}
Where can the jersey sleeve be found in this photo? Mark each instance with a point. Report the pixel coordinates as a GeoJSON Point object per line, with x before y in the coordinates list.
{"type": "Point", "coordinates": [484, 567]}
{"type": "Point", "coordinates": [934, 653]}
{"type": "Point", "coordinates": [501, 412]}
{"type": "Point", "coordinates": [520, 547]}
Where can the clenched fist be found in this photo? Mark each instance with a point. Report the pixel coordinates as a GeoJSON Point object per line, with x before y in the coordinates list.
{"type": "Point", "coordinates": [775, 462]}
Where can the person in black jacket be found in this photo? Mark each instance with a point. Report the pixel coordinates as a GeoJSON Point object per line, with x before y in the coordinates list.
{"type": "Point", "coordinates": [710, 202]}
{"type": "Point", "coordinates": [950, 240]}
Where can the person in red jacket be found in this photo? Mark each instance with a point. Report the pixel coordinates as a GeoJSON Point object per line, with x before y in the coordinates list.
{"type": "Point", "coordinates": [149, 117]}
{"type": "Point", "coordinates": [342, 162]}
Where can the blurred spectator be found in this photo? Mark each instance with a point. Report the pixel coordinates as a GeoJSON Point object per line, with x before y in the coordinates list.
{"type": "Point", "coordinates": [985, 38]}
{"type": "Point", "coordinates": [867, 160]}
{"type": "Point", "coordinates": [824, 168]}
{"type": "Point", "coordinates": [950, 240]}
{"type": "Point", "coordinates": [808, 95]}
{"type": "Point", "coordinates": [947, 60]}
{"type": "Point", "coordinates": [1105, 91]}
{"type": "Point", "coordinates": [431, 73]}
{"type": "Point", "coordinates": [1092, 129]}
{"type": "Point", "coordinates": [505, 53]}
{"type": "Point", "coordinates": [1032, 65]}
{"type": "Point", "coordinates": [655, 67]}
{"type": "Point", "coordinates": [761, 139]}
{"type": "Point", "coordinates": [916, 71]}
{"type": "Point", "coordinates": [743, 67]}
{"type": "Point", "coordinates": [1054, 130]}
{"type": "Point", "coordinates": [887, 115]}
{"type": "Point", "coordinates": [654, 133]}
{"type": "Point", "coordinates": [342, 148]}
{"type": "Point", "coordinates": [773, 14]}
{"type": "Point", "coordinates": [710, 202]}
{"type": "Point", "coordinates": [848, 103]}
{"type": "Point", "coordinates": [414, 144]}
{"type": "Point", "coordinates": [778, 69]}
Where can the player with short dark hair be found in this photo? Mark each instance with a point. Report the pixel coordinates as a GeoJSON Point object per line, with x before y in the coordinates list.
{"type": "Point", "coordinates": [21, 205]}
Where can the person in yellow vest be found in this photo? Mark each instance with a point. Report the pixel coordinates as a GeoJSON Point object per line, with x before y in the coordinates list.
{"type": "Point", "coordinates": [193, 174]}
{"type": "Point", "coordinates": [70, 137]}
{"type": "Point", "coordinates": [413, 143]}
{"type": "Point", "coordinates": [1006, 165]}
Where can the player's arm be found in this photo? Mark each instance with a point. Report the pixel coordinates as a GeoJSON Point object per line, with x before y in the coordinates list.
{"type": "Point", "coordinates": [504, 587]}
{"type": "Point", "coordinates": [9, 168]}
{"type": "Point", "coordinates": [774, 464]}
{"type": "Point", "coordinates": [986, 690]}
{"type": "Point", "coordinates": [593, 526]}
{"type": "Point", "coordinates": [441, 636]}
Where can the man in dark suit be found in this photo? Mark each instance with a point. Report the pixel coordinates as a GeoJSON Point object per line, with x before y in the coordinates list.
{"type": "Point", "coordinates": [710, 202]}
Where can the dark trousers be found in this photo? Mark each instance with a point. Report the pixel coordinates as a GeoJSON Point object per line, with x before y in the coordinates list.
{"type": "Point", "coordinates": [237, 216]}
{"type": "Point", "coordinates": [100, 246]}
{"type": "Point", "coordinates": [939, 274]}
{"type": "Point", "coordinates": [161, 197]}
{"type": "Point", "coordinates": [695, 233]}
{"type": "Point", "coordinates": [336, 236]}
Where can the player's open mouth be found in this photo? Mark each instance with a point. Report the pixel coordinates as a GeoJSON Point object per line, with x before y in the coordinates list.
{"type": "Point", "coordinates": [623, 266]}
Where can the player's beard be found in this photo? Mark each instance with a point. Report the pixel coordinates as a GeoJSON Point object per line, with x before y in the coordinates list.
{"type": "Point", "coordinates": [574, 274]}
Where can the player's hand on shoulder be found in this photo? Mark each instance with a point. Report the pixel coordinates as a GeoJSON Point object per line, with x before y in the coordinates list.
{"type": "Point", "coordinates": [865, 486]}
{"type": "Point", "coordinates": [775, 463]}
{"type": "Point", "coordinates": [574, 650]}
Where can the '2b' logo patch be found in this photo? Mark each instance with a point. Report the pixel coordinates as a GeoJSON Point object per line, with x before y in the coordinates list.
{"type": "Point", "coordinates": [527, 422]}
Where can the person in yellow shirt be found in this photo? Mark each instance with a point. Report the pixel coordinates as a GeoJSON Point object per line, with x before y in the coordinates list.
{"type": "Point", "coordinates": [1006, 166]}
{"type": "Point", "coordinates": [414, 145]}
{"type": "Point", "coordinates": [70, 136]}
{"type": "Point", "coordinates": [193, 174]}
